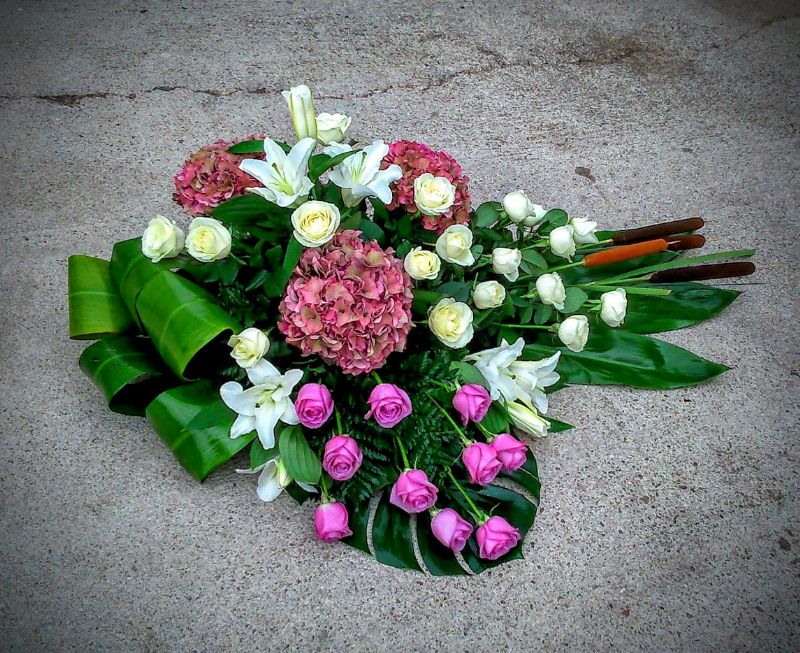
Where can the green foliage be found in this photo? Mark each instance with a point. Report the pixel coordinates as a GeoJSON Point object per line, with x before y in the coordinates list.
{"type": "Point", "coordinates": [300, 461]}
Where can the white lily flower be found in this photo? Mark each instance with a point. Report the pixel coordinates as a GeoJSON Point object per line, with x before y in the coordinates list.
{"type": "Point", "coordinates": [534, 377]}
{"type": "Point", "coordinates": [273, 479]}
{"type": "Point", "coordinates": [526, 419]}
{"type": "Point", "coordinates": [494, 365]}
{"type": "Point", "coordinates": [360, 175]}
{"type": "Point", "coordinates": [285, 176]}
{"type": "Point", "coordinates": [265, 404]}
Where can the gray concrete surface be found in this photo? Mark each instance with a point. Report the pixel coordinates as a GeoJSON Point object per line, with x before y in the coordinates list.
{"type": "Point", "coordinates": [669, 521]}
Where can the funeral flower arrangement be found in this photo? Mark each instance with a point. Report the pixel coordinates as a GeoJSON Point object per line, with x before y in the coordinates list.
{"type": "Point", "coordinates": [375, 341]}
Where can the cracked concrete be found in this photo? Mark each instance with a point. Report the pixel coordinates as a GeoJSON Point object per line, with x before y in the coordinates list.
{"type": "Point", "coordinates": [668, 521]}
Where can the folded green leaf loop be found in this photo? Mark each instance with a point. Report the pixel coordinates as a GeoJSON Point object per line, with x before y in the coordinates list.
{"type": "Point", "coordinates": [195, 424]}
{"type": "Point", "coordinates": [95, 307]}
{"type": "Point", "coordinates": [301, 463]}
{"type": "Point", "coordinates": [182, 319]}
{"type": "Point", "coordinates": [127, 370]}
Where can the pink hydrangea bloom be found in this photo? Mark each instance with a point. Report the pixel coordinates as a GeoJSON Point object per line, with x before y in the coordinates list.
{"type": "Point", "coordinates": [349, 302]}
{"type": "Point", "coordinates": [415, 159]}
{"type": "Point", "coordinates": [210, 176]}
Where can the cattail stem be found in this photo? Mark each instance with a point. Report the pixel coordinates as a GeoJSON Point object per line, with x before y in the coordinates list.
{"type": "Point", "coordinates": [704, 272]}
{"type": "Point", "coordinates": [661, 230]}
{"type": "Point", "coordinates": [617, 254]}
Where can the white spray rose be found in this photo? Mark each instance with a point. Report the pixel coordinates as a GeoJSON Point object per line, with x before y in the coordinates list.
{"type": "Point", "coordinates": [613, 307]}
{"type": "Point", "coordinates": [422, 264]}
{"type": "Point", "coordinates": [583, 230]}
{"type": "Point", "coordinates": [315, 222]}
{"type": "Point", "coordinates": [517, 206]}
{"type": "Point", "coordinates": [574, 332]}
{"type": "Point", "coordinates": [208, 240]}
{"type": "Point", "coordinates": [301, 106]}
{"type": "Point", "coordinates": [538, 213]}
{"type": "Point", "coordinates": [331, 127]}
{"type": "Point", "coordinates": [506, 261]}
{"type": "Point", "coordinates": [433, 195]}
{"type": "Point", "coordinates": [454, 245]}
{"type": "Point", "coordinates": [562, 243]}
{"type": "Point", "coordinates": [451, 322]}
{"type": "Point", "coordinates": [249, 347]}
{"type": "Point", "coordinates": [488, 294]}
{"type": "Point", "coordinates": [162, 239]}
{"type": "Point", "coordinates": [526, 419]}
{"type": "Point", "coordinates": [551, 290]}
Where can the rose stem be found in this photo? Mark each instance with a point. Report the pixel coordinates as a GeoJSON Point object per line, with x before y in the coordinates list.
{"type": "Point", "coordinates": [402, 452]}
{"type": "Point", "coordinates": [476, 512]}
{"type": "Point", "coordinates": [338, 422]}
{"type": "Point", "coordinates": [528, 326]}
{"type": "Point", "coordinates": [376, 377]}
{"type": "Point", "coordinates": [464, 439]}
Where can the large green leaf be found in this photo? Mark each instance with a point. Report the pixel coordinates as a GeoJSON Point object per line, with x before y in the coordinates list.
{"type": "Point", "coordinates": [127, 370]}
{"type": "Point", "coordinates": [321, 163]}
{"type": "Point", "coordinates": [687, 304]}
{"type": "Point", "coordinates": [131, 270]}
{"type": "Point", "coordinates": [391, 536]}
{"type": "Point", "coordinates": [182, 319]}
{"type": "Point", "coordinates": [438, 559]}
{"type": "Point", "coordinates": [619, 357]}
{"type": "Point", "coordinates": [301, 463]}
{"type": "Point", "coordinates": [195, 424]}
{"type": "Point", "coordinates": [276, 282]}
{"type": "Point", "coordinates": [95, 307]}
{"type": "Point", "coordinates": [250, 209]}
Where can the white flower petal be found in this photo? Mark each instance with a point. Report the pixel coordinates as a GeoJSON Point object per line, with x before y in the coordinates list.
{"type": "Point", "coordinates": [308, 487]}
{"type": "Point", "coordinates": [269, 488]}
{"type": "Point", "coordinates": [297, 160]}
{"type": "Point", "coordinates": [243, 425]}
{"type": "Point", "coordinates": [237, 399]}
{"type": "Point", "coordinates": [289, 415]}
{"type": "Point", "coordinates": [259, 169]}
{"type": "Point", "coordinates": [274, 153]}
{"type": "Point", "coordinates": [261, 371]}
{"type": "Point", "coordinates": [267, 417]}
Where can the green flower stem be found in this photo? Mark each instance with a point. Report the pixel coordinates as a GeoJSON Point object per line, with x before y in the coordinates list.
{"type": "Point", "coordinates": [485, 431]}
{"type": "Point", "coordinates": [476, 512]}
{"type": "Point", "coordinates": [543, 327]}
{"type": "Point", "coordinates": [338, 423]}
{"type": "Point", "coordinates": [631, 290]}
{"type": "Point", "coordinates": [461, 434]}
{"type": "Point", "coordinates": [566, 266]}
{"type": "Point", "coordinates": [402, 452]}
{"type": "Point", "coordinates": [376, 377]}
{"type": "Point", "coordinates": [323, 483]}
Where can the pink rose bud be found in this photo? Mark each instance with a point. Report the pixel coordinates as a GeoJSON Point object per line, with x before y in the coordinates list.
{"type": "Point", "coordinates": [413, 492]}
{"type": "Point", "coordinates": [510, 451]}
{"type": "Point", "coordinates": [314, 405]}
{"type": "Point", "coordinates": [496, 538]}
{"type": "Point", "coordinates": [481, 462]}
{"type": "Point", "coordinates": [388, 404]}
{"type": "Point", "coordinates": [330, 522]}
{"type": "Point", "coordinates": [451, 529]}
{"type": "Point", "coordinates": [342, 457]}
{"type": "Point", "coordinates": [472, 401]}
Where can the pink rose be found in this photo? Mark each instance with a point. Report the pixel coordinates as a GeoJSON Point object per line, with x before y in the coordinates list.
{"type": "Point", "coordinates": [510, 452]}
{"type": "Point", "coordinates": [342, 457]}
{"type": "Point", "coordinates": [451, 529]}
{"type": "Point", "coordinates": [388, 404]}
{"type": "Point", "coordinates": [314, 405]}
{"type": "Point", "coordinates": [413, 492]}
{"type": "Point", "coordinates": [330, 522]}
{"type": "Point", "coordinates": [472, 402]}
{"type": "Point", "coordinates": [496, 538]}
{"type": "Point", "coordinates": [481, 462]}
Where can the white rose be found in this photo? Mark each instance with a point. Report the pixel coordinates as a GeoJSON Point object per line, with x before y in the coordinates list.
{"type": "Point", "coordinates": [538, 213]}
{"type": "Point", "coordinates": [506, 261]}
{"type": "Point", "coordinates": [249, 347]}
{"type": "Point", "coordinates": [517, 206]}
{"type": "Point", "coordinates": [162, 239]}
{"type": "Point", "coordinates": [562, 243]}
{"type": "Point", "coordinates": [551, 290]}
{"type": "Point", "coordinates": [583, 230]}
{"type": "Point", "coordinates": [208, 240]}
{"type": "Point", "coordinates": [526, 419]}
{"type": "Point", "coordinates": [574, 332]}
{"type": "Point", "coordinates": [451, 322]}
{"type": "Point", "coordinates": [433, 195]}
{"type": "Point", "coordinates": [488, 294]}
{"type": "Point", "coordinates": [315, 222]}
{"type": "Point", "coordinates": [301, 106]}
{"type": "Point", "coordinates": [613, 307]}
{"type": "Point", "coordinates": [454, 245]}
{"type": "Point", "coordinates": [422, 264]}
{"type": "Point", "coordinates": [331, 127]}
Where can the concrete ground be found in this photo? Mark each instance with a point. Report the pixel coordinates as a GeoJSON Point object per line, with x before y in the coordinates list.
{"type": "Point", "coordinates": [669, 520]}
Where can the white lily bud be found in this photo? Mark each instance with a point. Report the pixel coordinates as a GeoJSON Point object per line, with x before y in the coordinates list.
{"type": "Point", "coordinates": [574, 332]}
{"type": "Point", "coordinates": [583, 230]}
{"type": "Point", "coordinates": [488, 294]}
{"type": "Point", "coordinates": [526, 419]}
{"type": "Point", "coordinates": [551, 290]}
{"type": "Point", "coordinates": [283, 477]}
{"type": "Point", "coordinates": [562, 243]}
{"type": "Point", "coordinates": [301, 106]}
{"type": "Point", "coordinates": [506, 261]}
{"type": "Point", "coordinates": [613, 307]}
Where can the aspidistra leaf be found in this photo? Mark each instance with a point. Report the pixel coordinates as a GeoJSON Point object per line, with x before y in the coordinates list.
{"type": "Point", "coordinates": [95, 307]}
